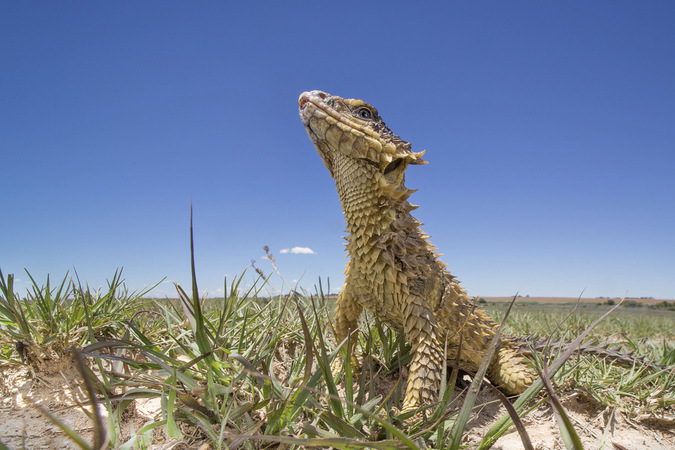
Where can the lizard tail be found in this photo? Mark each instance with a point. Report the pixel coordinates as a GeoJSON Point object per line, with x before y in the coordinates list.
{"type": "Point", "coordinates": [511, 372]}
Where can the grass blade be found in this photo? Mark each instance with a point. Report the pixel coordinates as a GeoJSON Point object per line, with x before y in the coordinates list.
{"type": "Point", "coordinates": [465, 413]}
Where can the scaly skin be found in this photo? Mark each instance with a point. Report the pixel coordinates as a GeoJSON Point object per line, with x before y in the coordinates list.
{"type": "Point", "coordinates": [393, 270]}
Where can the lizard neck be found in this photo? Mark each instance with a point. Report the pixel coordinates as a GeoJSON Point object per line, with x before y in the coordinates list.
{"type": "Point", "coordinates": [378, 219]}
{"type": "Point", "coordinates": [389, 254]}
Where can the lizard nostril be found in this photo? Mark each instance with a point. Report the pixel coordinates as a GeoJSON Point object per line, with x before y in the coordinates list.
{"type": "Point", "coordinates": [306, 97]}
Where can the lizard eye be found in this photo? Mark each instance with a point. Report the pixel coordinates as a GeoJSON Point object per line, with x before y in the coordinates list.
{"type": "Point", "coordinates": [364, 113]}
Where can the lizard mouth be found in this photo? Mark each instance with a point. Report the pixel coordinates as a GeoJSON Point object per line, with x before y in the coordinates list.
{"type": "Point", "coordinates": [307, 97]}
{"type": "Point", "coordinates": [310, 106]}
{"type": "Point", "coordinates": [322, 105]}
{"type": "Point", "coordinates": [313, 111]}
{"type": "Point", "coordinates": [310, 102]}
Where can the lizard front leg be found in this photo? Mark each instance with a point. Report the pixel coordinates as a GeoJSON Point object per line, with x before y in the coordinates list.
{"type": "Point", "coordinates": [346, 317]}
{"type": "Point", "coordinates": [421, 330]}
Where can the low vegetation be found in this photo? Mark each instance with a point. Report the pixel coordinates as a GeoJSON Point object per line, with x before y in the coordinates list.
{"type": "Point", "coordinates": [254, 372]}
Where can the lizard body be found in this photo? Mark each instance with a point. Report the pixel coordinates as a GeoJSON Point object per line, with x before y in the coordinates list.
{"type": "Point", "coordinates": [393, 269]}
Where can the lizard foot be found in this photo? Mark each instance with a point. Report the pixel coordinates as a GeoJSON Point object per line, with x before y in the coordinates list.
{"type": "Point", "coordinates": [408, 416]}
{"type": "Point", "coordinates": [336, 367]}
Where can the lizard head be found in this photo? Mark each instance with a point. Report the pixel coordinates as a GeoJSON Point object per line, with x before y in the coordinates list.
{"type": "Point", "coordinates": [353, 128]}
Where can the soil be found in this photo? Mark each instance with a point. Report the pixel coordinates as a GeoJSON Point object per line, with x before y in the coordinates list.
{"type": "Point", "coordinates": [590, 420]}
{"type": "Point", "coordinates": [61, 393]}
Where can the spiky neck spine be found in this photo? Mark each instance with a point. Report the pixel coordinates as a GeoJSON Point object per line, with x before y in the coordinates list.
{"type": "Point", "coordinates": [377, 213]}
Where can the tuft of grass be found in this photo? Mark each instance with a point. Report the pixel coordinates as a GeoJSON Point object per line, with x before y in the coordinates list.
{"type": "Point", "coordinates": [49, 320]}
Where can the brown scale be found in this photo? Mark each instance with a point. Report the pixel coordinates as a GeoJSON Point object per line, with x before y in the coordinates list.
{"type": "Point", "coordinates": [393, 270]}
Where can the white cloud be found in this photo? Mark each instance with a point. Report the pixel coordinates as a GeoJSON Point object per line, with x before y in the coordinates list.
{"type": "Point", "coordinates": [298, 250]}
{"type": "Point", "coordinates": [214, 293]}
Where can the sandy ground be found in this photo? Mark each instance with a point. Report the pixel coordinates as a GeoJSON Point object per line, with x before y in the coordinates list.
{"type": "Point", "coordinates": [23, 426]}
{"type": "Point", "coordinates": [591, 421]}
{"type": "Point", "coordinates": [62, 393]}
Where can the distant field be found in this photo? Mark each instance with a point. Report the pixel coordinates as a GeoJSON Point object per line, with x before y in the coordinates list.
{"type": "Point", "coordinates": [561, 300]}
{"type": "Point", "coordinates": [564, 300]}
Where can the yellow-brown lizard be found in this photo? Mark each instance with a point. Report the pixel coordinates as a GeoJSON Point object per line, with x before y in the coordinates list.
{"type": "Point", "coordinates": [393, 269]}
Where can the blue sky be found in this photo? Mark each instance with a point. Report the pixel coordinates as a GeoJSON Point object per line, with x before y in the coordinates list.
{"type": "Point", "coordinates": [549, 130]}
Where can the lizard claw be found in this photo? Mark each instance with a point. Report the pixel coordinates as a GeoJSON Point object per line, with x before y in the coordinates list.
{"type": "Point", "coordinates": [407, 416]}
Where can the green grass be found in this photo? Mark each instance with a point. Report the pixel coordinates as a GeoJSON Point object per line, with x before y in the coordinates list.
{"type": "Point", "coordinates": [647, 332]}
{"type": "Point", "coordinates": [642, 323]}
{"type": "Point", "coordinates": [250, 371]}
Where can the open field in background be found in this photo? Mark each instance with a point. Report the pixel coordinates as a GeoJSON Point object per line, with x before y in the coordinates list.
{"type": "Point", "coordinates": [643, 301]}
{"type": "Point", "coordinates": [254, 372]}
{"type": "Point", "coordinates": [572, 300]}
